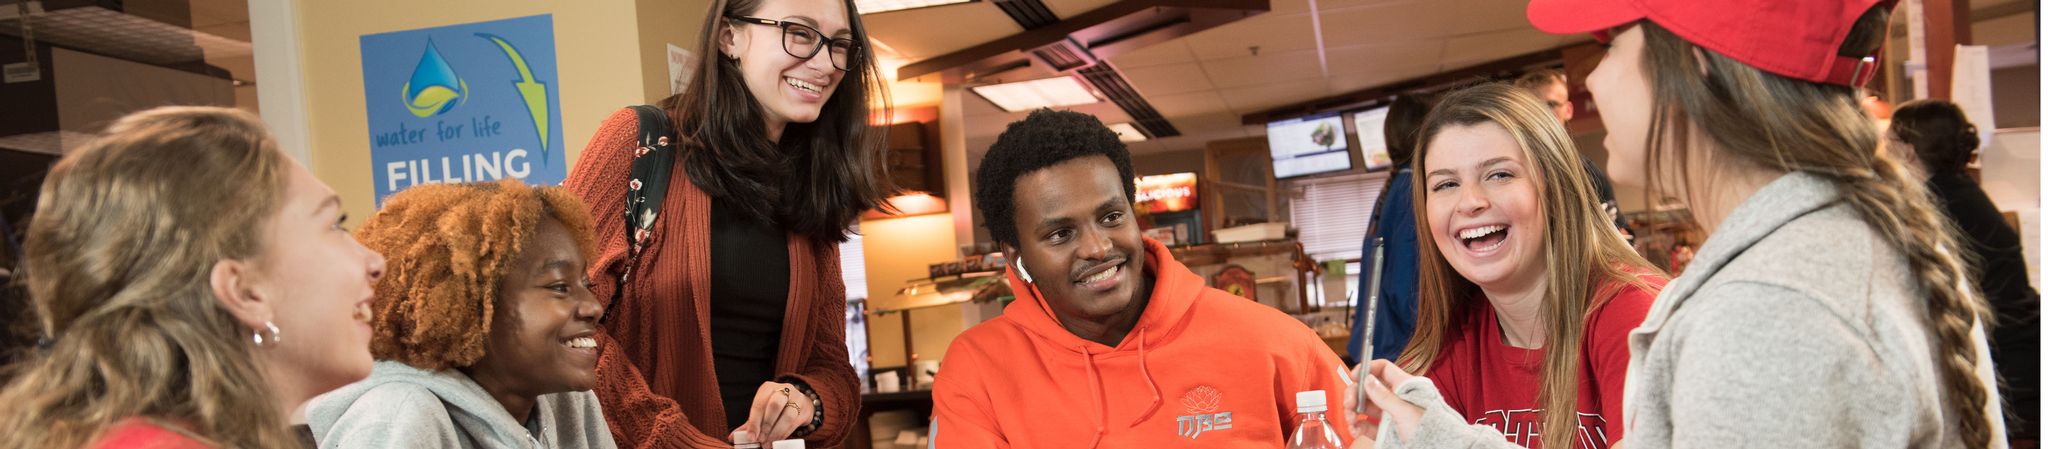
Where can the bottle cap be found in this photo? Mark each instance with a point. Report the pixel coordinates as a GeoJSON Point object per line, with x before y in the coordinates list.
{"type": "Point", "coordinates": [1312, 401]}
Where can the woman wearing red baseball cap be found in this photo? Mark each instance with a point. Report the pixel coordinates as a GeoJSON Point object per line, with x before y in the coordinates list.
{"type": "Point", "coordinates": [1827, 308]}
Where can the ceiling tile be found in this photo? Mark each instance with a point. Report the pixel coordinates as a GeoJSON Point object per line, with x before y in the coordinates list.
{"type": "Point", "coordinates": [1383, 76]}
{"type": "Point", "coordinates": [1328, 5]}
{"type": "Point", "coordinates": [1272, 33]}
{"type": "Point", "coordinates": [1477, 16]}
{"type": "Point", "coordinates": [1289, 6]}
{"type": "Point", "coordinates": [1246, 100]}
{"type": "Point", "coordinates": [1167, 79]}
{"type": "Point", "coordinates": [1169, 52]}
{"type": "Point", "coordinates": [1265, 68]}
{"type": "Point", "coordinates": [1464, 51]}
{"type": "Point", "coordinates": [1188, 104]}
{"type": "Point", "coordinates": [973, 105]}
{"type": "Point", "coordinates": [911, 34]}
{"type": "Point", "coordinates": [1198, 131]}
{"type": "Point", "coordinates": [1210, 122]}
{"type": "Point", "coordinates": [985, 119]}
{"type": "Point", "coordinates": [1373, 59]}
{"type": "Point", "coordinates": [1386, 22]}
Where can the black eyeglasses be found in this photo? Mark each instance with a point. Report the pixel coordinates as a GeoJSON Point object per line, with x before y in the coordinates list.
{"type": "Point", "coordinates": [803, 42]}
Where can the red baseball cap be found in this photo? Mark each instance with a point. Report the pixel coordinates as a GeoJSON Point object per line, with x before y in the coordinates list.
{"type": "Point", "coordinates": [1793, 38]}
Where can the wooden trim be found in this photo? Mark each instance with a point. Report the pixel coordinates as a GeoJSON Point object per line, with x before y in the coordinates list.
{"type": "Point", "coordinates": [1947, 25]}
{"type": "Point", "coordinates": [2002, 10]}
{"type": "Point", "coordinates": [1372, 95]}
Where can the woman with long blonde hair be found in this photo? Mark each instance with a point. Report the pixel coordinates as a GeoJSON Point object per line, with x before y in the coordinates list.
{"type": "Point", "coordinates": [1527, 294]}
{"type": "Point", "coordinates": [196, 286]}
{"type": "Point", "coordinates": [1828, 306]}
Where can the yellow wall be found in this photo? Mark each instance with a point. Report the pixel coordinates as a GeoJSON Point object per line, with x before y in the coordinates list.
{"type": "Point", "coordinates": [664, 22]}
{"type": "Point", "coordinates": [899, 250]}
{"type": "Point", "coordinates": [600, 58]}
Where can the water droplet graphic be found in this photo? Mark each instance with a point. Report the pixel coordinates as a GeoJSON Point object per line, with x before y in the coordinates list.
{"type": "Point", "coordinates": [434, 89]}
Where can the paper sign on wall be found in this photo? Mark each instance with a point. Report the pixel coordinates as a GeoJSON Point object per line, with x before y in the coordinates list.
{"type": "Point", "coordinates": [464, 103]}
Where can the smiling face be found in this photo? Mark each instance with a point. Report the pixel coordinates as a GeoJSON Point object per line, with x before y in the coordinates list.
{"type": "Point", "coordinates": [1622, 93]}
{"type": "Point", "coordinates": [322, 280]}
{"type": "Point", "coordinates": [1078, 238]}
{"type": "Point", "coordinates": [543, 330]}
{"type": "Point", "coordinates": [789, 90]}
{"type": "Point", "coordinates": [1482, 198]}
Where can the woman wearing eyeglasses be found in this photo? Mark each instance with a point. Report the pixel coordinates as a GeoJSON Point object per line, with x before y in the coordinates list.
{"type": "Point", "coordinates": [726, 305]}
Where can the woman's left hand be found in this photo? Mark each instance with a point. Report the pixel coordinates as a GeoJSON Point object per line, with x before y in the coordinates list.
{"type": "Point", "coordinates": [779, 409]}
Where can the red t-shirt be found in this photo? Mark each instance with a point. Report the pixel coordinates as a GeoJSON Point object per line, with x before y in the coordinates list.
{"type": "Point", "coordinates": [137, 433]}
{"type": "Point", "coordinates": [1491, 383]}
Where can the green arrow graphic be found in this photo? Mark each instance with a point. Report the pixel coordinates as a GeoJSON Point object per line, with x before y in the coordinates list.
{"type": "Point", "coordinates": [534, 92]}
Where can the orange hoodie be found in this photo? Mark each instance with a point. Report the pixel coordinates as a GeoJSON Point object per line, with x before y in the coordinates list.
{"type": "Point", "coordinates": [1202, 369]}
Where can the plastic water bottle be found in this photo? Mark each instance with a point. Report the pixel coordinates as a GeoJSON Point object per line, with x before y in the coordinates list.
{"type": "Point", "coordinates": [1311, 430]}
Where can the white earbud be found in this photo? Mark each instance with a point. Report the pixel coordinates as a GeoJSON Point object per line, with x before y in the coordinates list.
{"type": "Point", "coordinates": [1022, 273]}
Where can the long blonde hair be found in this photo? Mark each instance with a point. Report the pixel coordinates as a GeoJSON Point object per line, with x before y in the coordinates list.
{"type": "Point", "coordinates": [1587, 260]}
{"type": "Point", "coordinates": [118, 257]}
{"type": "Point", "coordinates": [1778, 123]}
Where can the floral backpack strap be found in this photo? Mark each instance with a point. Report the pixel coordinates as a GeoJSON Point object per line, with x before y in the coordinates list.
{"type": "Point", "coordinates": [653, 161]}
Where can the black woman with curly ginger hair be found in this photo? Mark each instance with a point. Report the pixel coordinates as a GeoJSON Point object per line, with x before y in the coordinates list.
{"type": "Point", "coordinates": [485, 329]}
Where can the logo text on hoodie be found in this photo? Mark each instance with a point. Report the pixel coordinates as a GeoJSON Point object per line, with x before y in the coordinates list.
{"type": "Point", "coordinates": [1201, 403]}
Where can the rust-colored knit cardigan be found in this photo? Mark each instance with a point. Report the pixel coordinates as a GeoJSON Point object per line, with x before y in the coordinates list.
{"type": "Point", "coordinates": [655, 377]}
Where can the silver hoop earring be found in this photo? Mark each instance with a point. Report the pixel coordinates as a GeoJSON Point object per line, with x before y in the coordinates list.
{"type": "Point", "coordinates": [261, 340]}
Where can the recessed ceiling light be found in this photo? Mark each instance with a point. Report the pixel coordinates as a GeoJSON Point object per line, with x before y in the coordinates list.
{"type": "Point", "coordinates": [878, 6]}
{"type": "Point", "coordinates": [1126, 132]}
{"type": "Point", "coordinates": [1029, 95]}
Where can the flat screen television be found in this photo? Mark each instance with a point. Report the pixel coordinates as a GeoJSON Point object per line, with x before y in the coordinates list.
{"type": "Point", "coordinates": [1167, 193]}
{"type": "Point", "coordinates": [1308, 145]}
{"type": "Point", "coordinates": [1372, 141]}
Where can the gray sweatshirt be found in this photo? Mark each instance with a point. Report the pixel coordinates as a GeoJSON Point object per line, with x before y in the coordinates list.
{"type": "Point", "coordinates": [1796, 326]}
{"type": "Point", "coordinates": [403, 406]}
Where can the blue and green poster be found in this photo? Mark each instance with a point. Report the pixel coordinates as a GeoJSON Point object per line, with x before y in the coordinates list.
{"type": "Point", "coordinates": [462, 103]}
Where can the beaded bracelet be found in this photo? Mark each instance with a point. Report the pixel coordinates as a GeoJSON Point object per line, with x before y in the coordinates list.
{"type": "Point", "coordinates": [817, 407]}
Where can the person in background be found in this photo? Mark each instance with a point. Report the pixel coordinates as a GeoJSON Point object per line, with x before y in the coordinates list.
{"type": "Point", "coordinates": [1939, 140]}
{"type": "Point", "coordinates": [1527, 299]}
{"type": "Point", "coordinates": [1827, 307]}
{"type": "Point", "coordinates": [775, 159]}
{"type": "Point", "coordinates": [1879, 109]}
{"type": "Point", "coordinates": [192, 304]}
{"type": "Point", "coordinates": [485, 335]}
{"type": "Point", "coordinates": [1393, 222]}
{"type": "Point", "coordinates": [1549, 85]}
{"type": "Point", "coordinates": [1111, 342]}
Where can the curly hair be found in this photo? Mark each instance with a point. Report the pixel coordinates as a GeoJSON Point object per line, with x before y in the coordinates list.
{"type": "Point", "coordinates": [1941, 136]}
{"type": "Point", "coordinates": [1043, 139]}
{"type": "Point", "coordinates": [447, 246]}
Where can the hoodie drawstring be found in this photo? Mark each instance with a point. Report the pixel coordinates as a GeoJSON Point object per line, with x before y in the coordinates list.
{"type": "Point", "coordinates": [1095, 394]}
{"type": "Point", "coordinates": [1146, 372]}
